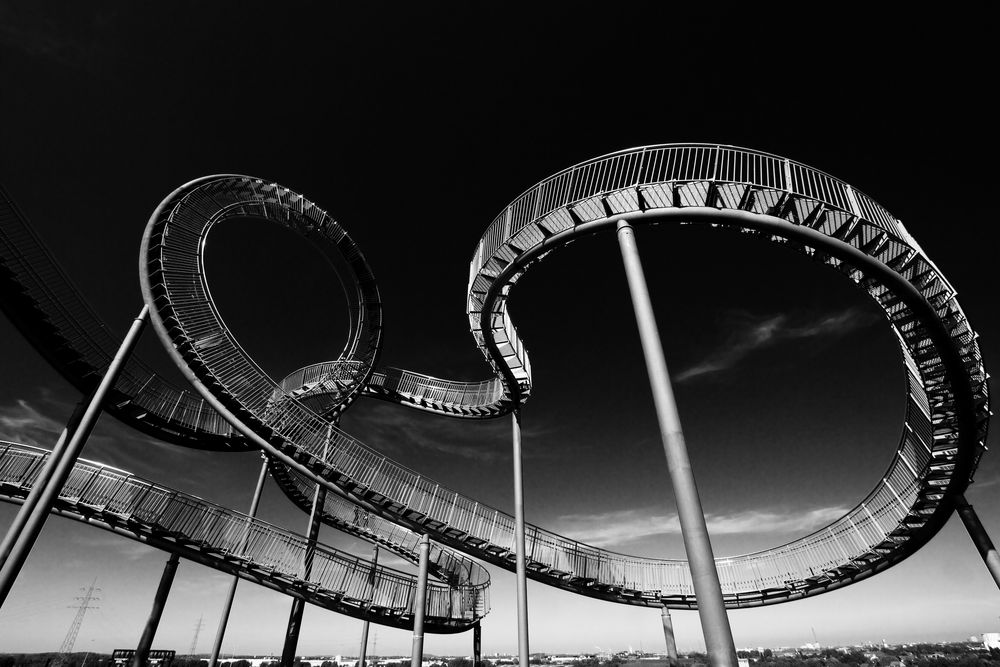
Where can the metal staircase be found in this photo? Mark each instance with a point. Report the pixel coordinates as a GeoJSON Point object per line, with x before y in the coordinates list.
{"type": "Point", "coordinates": [763, 196]}
{"type": "Point", "coordinates": [253, 549]}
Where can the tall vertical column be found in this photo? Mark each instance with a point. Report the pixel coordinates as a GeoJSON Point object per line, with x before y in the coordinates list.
{"type": "Point", "coordinates": [228, 605]}
{"type": "Point", "coordinates": [42, 480]}
{"type": "Point", "coordinates": [47, 493]}
{"type": "Point", "coordinates": [420, 604]}
{"type": "Point", "coordinates": [141, 654]}
{"type": "Point", "coordinates": [364, 628]}
{"type": "Point", "coordinates": [298, 605]}
{"type": "Point", "coordinates": [477, 644]}
{"type": "Point", "coordinates": [701, 560]}
{"type": "Point", "coordinates": [668, 635]}
{"type": "Point", "coordinates": [978, 534]}
{"type": "Point", "coordinates": [522, 570]}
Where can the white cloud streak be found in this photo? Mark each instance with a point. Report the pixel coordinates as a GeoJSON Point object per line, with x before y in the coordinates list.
{"type": "Point", "coordinates": [31, 423]}
{"type": "Point", "coordinates": [749, 334]}
{"type": "Point", "coordinates": [616, 528]}
{"type": "Point", "coordinates": [392, 428]}
{"type": "Point", "coordinates": [21, 422]}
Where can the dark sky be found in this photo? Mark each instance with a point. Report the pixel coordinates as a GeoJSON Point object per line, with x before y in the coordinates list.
{"type": "Point", "coordinates": [414, 125]}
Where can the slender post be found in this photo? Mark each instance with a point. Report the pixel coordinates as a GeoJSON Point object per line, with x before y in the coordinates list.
{"type": "Point", "coordinates": [42, 480]}
{"type": "Point", "coordinates": [33, 524]}
{"type": "Point", "coordinates": [298, 604]}
{"type": "Point", "coordinates": [522, 570]}
{"type": "Point", "coordinates": [228, 605]}
{"type": "Point", "coordinates": [477, 644]}
{"type": "Point", "coordinates": [364, 628]}
{"type": "Point", "coordinates": [701, 560]}
{"type": "Point", "coordinates": [668, 635]}
{"type": "Point", "coordinates": [420, 604]}
{"type": "Point", "coordinates": [159, 602]}
{"type": "Point", "coordinates": [978, 534]}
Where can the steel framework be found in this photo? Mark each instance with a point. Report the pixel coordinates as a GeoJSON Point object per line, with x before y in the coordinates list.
{"type": "Point", "coordinates": [252, 549]}
{"type": "Point", "coordinates": [236, 406]}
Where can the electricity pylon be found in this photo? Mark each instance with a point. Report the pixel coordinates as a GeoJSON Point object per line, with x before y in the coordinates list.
{"type": "Point", "coordinates": [74, 628]}
{"type": "Point", "coordinates": [197, 631]}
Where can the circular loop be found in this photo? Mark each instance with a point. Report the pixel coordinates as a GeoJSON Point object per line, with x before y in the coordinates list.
{"type": "Point", "coordinates": [765, 195]}
{"type": "Point", "coordinates": [209, 348]}
{"type": "Point", "coordinates": [787, 202]}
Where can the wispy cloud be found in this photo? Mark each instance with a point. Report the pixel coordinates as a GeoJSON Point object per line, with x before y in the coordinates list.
{"type": "Point", "coordinates": [750, 333]}
{"type": "Point", "coordinates": [23, 423]}
{"type": "Point", "coordinates": [984, 482]}
{"type": "Point", "coordinates": [103, 542]}
{"type": "Point", "coordinates": [624, 526]}
{"type": "Point", "coordinates": [392, 428]}
{"type": "Point", "coordinates": [34, 422]}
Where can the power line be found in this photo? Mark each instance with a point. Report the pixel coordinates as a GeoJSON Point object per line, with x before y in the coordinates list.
{"type": "Point", "coordinates": [74, 628]}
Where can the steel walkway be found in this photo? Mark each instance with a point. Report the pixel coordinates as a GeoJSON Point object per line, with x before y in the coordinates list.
{"type": "Point", "coordinates": [254, 550]}
{"type": "Point", "coordinates": [764, 196]}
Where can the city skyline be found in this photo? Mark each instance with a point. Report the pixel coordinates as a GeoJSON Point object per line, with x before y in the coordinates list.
{"type": "Point", "coordinates": [777, 452]}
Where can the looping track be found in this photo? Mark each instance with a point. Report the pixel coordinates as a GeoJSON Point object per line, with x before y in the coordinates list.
{"type": "Point", "coordinates": [765, 196]}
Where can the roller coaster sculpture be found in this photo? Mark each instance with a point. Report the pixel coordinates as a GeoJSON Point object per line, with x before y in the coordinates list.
{"type": "Point", "coordinates": [235, 406]}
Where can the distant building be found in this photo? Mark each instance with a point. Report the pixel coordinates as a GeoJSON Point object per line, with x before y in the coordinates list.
{"type": "Point", "coordinates": [123, 657]}
{"type": "Point", "coordinates": [991, 640]}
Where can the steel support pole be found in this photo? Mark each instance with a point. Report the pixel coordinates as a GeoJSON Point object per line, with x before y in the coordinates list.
{"type": "Point", "coordinates": [228, 605]}
{"type": "Point", "coordinates": [477, 644]}
{"type": "Point", "coordinates": [668, 636]}
{"type": "Point", "coordinates": [420, 604]}
{"type": "Point", "coordinates": [701, 560]}
{"type": "Point", "coordinates": [519, 545]}
{"type": "Point", "coordinates": [299, 605]}
{"type": "Point", "coordinates": [159, 602]}
{"type": "Point", "coordinates": [62, 467]}
{"type": "Point", "coordinates": [364, 628]}
{"type": "Point", "coordinates": [978, 534]}
{"type": "Point", "coordinates": [364, 644]}
{"type": "Point", "coordinates": [42, 480]}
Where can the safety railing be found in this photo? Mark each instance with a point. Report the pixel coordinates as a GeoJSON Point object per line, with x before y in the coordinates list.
{"type": "Point", "coordinates": [62, 310]}
{"type": "Point", "coordinates": [845, 542]}
{"type": "Point", "coordinates": [838, 545]}
{"type": "Point", "coordinates": [871, 526]}
{"type": "Point", "coordinates": [677, 162]}
{"type": "Point", "coordinates": [307, 433]}
{"type": "Point", "coordinates": [345, 371]}
{"type": "Point", "coordinates": [418, 387]}
{"type": "Point", "coordinates": [457, 569]}
{"type": "Point", "coordinates": [258, 544]}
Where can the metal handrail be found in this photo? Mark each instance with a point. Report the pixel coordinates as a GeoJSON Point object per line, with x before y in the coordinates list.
{"type": "Point", "coordinates": [485, 394]}
{"type": "Point", "coordinates": [871, 532]}
{"type": "Point", "coordinates": [257, 543]}
{"type": "Point", "coordinates": [846, 545]}
{"type": "Point", "coordinates": [349, 517]}
{"type": "Point", "coordinates": [678, 162]}
{"type": "Point", "coordinates": [63, 309]}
